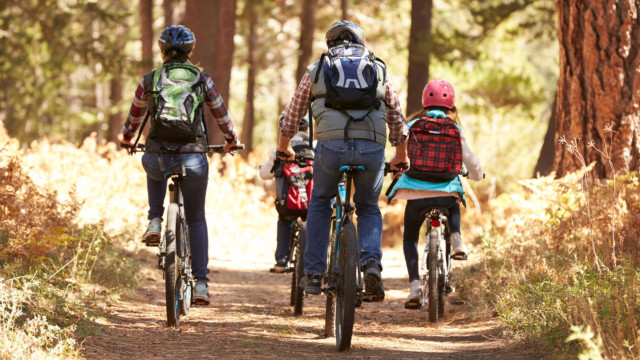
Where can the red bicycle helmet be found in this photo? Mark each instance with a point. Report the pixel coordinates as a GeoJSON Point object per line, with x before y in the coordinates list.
{"type": "Point", "coordinates": [438, 93]}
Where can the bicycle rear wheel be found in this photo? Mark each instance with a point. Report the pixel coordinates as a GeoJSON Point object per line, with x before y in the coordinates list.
{"type": "Point", "coordinates": [298, 272]}
{"type": "Point", "coordinates": [432, 265]}
{"type": "Point", "coordinates": [330, 306]}
{"type": "Point", "coordinates": [346, 287]}
{"type": "Point", "coordinates": [171, 276]}
{"type": "Point", "coordinates": [184, 281]}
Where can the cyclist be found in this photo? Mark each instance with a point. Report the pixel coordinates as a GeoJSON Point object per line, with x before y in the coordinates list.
{"type": "Point", "coordinates": [438, 105]}
{"type": "Point", "coordinates": [346, 137]}
{"type": "Point", "coordinates": [187, 156]}
{"type": "Point", "coordinates": [271, 168]}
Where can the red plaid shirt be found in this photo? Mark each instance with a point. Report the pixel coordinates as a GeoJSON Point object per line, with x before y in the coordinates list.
{"type": "Point", "coordinates": [299, 106]}
{"type": "Point", "coordinates": [211, 97]}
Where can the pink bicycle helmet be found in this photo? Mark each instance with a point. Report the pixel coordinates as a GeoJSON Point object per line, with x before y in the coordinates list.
{"type": "Point", "coordinates": [438, 93]}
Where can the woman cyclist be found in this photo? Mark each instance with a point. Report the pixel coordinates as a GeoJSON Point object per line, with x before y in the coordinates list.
{"type": "Point", "coordinates": [163, 153]}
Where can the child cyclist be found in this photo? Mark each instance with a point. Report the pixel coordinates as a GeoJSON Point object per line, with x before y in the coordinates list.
{"type": "Point", "coordinates": [436, 157]}
{"type": "Point", "coordinates": [287, 215]}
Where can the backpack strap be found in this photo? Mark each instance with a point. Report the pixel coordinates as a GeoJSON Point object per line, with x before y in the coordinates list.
{"type": "Point", "coordinates": [147, 83]}
{"type": "Point", "coordinates": [320, 65]}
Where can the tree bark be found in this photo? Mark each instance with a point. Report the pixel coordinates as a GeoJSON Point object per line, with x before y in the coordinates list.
{"type": "Point", "coordinates": [419, 42]}
{"type": "Point", "coordinates": [599, 85]}
{"type": "Point", "coordinates": [167, 6]}
{"type": "Point", "coordinates": [307, 27]}
{"type": "Point", "coordinates": [544, 166]}
{"type": "Point", "coordinates": [146, 19]}
{"type": "Point", "coordinates": [201, 17]}
{"type": "Point", "coordinates": [249, 113]}
{"type": "Point", "coordinates": [115, 118]}
{"type": "Point", "coordinates": [344, 5]}
{"type": "Point", "coordinates": [223, 59]}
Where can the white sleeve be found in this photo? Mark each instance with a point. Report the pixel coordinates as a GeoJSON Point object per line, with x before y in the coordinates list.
{"type": "Point", "coordinates": [470, 161]}
{"type": "Point", "coordinates": [265, 169]}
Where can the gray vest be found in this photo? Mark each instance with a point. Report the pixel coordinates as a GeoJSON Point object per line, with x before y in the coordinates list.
{"type": "Point", "coordinates": [330, 123]}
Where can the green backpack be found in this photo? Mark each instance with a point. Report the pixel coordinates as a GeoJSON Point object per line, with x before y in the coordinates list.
{"type": "Point", "coordinates": [178, 93]}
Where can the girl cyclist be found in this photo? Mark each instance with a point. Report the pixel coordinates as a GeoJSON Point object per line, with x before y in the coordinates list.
{"type": "Point", "coordinates": [444, 191]}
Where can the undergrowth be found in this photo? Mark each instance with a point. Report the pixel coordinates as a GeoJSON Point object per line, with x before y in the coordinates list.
{"type": "Point", "coordinates": [559, 265]}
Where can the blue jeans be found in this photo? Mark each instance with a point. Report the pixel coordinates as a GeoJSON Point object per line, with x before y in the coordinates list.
{"type": "Point", "coordinates": [194, 189]}
{"type": "Point", "coordinates": [414, 217]}
{"type": "Point", "coordinates": [330, 155]}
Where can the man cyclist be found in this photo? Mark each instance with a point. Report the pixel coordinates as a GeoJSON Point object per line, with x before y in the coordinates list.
{"type": "Point", "coordinates": [164, 154]}
{"type": "Point", "coordinates": [343, 141]}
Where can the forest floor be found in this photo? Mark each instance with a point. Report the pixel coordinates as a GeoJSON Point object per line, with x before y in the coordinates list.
{"type": "Point", "coordinates": [250, 318]}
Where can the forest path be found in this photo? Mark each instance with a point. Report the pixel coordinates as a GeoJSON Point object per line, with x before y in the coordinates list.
{"type": "Point", "coordinates": [250, 318]}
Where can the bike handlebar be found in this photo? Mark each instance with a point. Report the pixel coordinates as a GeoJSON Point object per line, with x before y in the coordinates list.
{"type": "Point", "coordinates": [214, 148]}
{"type": "Point", "coordinates": [299, 160]}
{"type": "Point", "coordinates": [388, 169]}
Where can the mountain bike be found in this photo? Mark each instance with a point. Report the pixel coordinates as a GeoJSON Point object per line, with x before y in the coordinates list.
{"type": "Point", "coordinates": [344, 276]}
{"type": "Point", "coordinates": [295, 264]}
{"type": "Point", "coordinates": [174, 249]}
{"type": "Point", "coordinates": [435, 266]}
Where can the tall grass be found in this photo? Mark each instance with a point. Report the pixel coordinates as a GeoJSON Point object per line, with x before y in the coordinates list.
{"type": "Point", "coordinates": [550, 268]}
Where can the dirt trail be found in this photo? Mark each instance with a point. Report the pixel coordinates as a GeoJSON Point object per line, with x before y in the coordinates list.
{"type": "Point", "coordinates": [250, 318]}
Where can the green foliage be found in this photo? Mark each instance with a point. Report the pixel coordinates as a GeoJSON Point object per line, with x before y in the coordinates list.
{"type": "Point", "coordinates": [54, 55]}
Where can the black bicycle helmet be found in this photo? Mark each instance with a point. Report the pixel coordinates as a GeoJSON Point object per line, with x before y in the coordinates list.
{"type": "Point", "coordinates": [345, 31]}
{"type": "Point", "coordinates": [178, 39]}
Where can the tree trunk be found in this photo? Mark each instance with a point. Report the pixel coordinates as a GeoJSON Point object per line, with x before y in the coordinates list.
{"type": "Point", "coordinates": [419, 42]}
{"type": "Point", "coordinates": [167, 6]}
{"type": "Point", "coordinates": [223, 59]}
{"type": "Point", "coordinates": [115, 118]}
{"type": "Point", "coordinates": [307, 26]}
{"type": "Point", "coordinates": [599, 85]}
{"type": "Point", "coordinates": [344, 5]}
{"type": "Point", "coordinates": [544, 166]}
{"type": "Point", "coordinates": [249, 114]}
{"type": "Point", "coordinates": [146, 18]}
{"type": "Point", "coordinates": [202, 19]}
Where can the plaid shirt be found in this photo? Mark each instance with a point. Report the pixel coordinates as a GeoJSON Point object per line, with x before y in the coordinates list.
{"type": "Point", "coordinates": [299, 105]}
{"type": "Point", "coordinates": [211, 97]}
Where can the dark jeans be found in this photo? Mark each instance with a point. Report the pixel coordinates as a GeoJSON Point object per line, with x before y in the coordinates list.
{"type": "Point", "coordinates": [414, 217]}
{"type": "Point", "coordinates": [330, 155]}
{"type": "Point", "coordinates": [285, 231]}
{"type": "Point", "coordinates": [194, 190]}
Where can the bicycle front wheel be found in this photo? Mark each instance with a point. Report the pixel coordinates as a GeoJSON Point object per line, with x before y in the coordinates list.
{"type": "Point", "coordinates": [171, 276]}
{"type": "Point", "coordinates": [298, 270]}
{"type": "Point", "coordinates": [432, 266]}
{"type": "Point", "coordinates": [346, 286]}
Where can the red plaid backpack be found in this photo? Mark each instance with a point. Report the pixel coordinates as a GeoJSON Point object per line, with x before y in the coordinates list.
{"type": "Point", "coordinates": [435, 150]}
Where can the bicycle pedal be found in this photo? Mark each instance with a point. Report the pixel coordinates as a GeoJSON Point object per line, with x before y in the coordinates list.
{"type": "Point", "coordinates": [368, 296]}
{"type": "Point", "coordinates": [278, 271]}
{"type": "Point", "coordinates": [412, 305]}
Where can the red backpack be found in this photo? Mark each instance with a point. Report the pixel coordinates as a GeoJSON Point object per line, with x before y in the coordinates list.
{"type": "Point", "coordinates": [435, 150]}
{"type": "Point", "coordinates": [298, 184]}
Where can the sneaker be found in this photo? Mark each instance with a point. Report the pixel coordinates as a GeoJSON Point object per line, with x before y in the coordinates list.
{"type": "Point", "coordinates": [312, 284]}
{"type": "Point", "coordinates": [458, 248]}
{"type": "Point", "coordinates": [151, 237]}
{"type": "Point", "coordinates": [201, 293]}
{"type": "Point", "coordinates": [281, 265]}
{"type": "Point", "coordinates": [373, 281]}
{"type": "Point", "coordinates": [414, 292]}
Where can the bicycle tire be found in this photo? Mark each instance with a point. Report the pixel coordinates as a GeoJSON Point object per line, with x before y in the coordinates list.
{"type": "Point", "coordinates": [295, 253]}
{"type": "Point", "coordinates": [186, 286]}
{"type": "Point", "coordinates": [432, 265]}
{"type": "Point", "coordinates": [346, 287]}
{"type": "Point", "coordinates": [330, 305]}
{"type": "Point", "coordinates": [171, 278]}
{"type": "Point", "coordinates": [299, 269]}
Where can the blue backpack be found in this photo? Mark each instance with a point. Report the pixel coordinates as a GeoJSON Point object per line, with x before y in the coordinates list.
{"type": "Point", "coordinates": [351, 77]}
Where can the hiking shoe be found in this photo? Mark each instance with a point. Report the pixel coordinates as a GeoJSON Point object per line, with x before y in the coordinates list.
{"type": "Point", "coordinates": [151, 237]}
{"type": "Point", "coordinates": [414, 292]}
{"type": "Point", "coordinates": [312, 284]}
{"type": "Point", "coordinates": [373, 281]}
{"type": "Point", "coordinates": [201, 293]}
{"type": "Point", "coordinates": [458, 248]}
{"type": "Point", "coordinates": [281, 265]}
